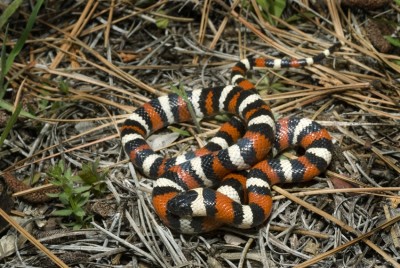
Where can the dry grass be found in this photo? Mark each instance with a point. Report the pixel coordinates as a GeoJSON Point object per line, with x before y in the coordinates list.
{"type": "Point", "coordinates": [112, 58]}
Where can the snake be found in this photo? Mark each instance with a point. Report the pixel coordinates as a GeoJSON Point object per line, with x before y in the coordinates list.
{"type": "Point", "coordinates": [228, 181]}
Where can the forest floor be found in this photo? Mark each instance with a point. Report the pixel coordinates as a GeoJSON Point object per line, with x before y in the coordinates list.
{"type": "Point", "coordinates": [86, 65]}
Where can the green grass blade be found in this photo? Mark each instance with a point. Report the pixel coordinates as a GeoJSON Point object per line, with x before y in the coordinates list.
{"type": "Point", "coordinates": [21, 41]}
{"type": "Point", "coordinates": [9, 11]}
{"type": "Point", "coordinates": [10, 123]}
{"type": "Point", "coordinates": [5, 105]}
{"type": "Point", "coordinates": [3, 65]}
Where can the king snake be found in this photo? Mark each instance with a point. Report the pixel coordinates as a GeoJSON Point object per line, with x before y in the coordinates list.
{"type": "Point", "coordinates": [228, 181]}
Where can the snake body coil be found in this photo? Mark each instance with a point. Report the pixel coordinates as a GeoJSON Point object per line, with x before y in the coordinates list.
{"type": "Point", "coordinates": [184, 194]}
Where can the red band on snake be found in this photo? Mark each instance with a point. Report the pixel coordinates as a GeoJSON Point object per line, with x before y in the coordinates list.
{"type": "Point", "coordinates": [228, 181]}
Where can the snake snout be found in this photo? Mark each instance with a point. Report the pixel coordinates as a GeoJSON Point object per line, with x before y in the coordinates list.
{"type": "Point", "coordinates": [181, 205]}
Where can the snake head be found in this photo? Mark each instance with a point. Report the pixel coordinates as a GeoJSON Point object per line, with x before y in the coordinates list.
{"type": "Point", "coordinates": [184, 204]}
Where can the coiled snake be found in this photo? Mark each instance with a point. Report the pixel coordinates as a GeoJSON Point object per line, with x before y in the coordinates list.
{"type": "Point", "coordinates": [227, 181]}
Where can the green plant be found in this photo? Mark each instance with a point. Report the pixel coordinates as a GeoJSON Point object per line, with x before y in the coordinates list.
{"type": "Point", "coordinates": [76, 191]}
{"type": "Point", "coordinates": [91, 176]}
{"type": "Point", "coordinates": [6, 61]}
{"type": "Point", "coordinates": [268, 8]}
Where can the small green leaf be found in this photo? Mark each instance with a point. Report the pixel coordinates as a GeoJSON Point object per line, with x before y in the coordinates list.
{"type": "Point", "coordinates": [397, 62]}
{"type": "Point", "coordinates": [77, 226]}
{"type": "Point", "coordinates": [53, 195]}
{"type": "Point", "coordinates": [80, 213]}
{"type": "Point", "coordinates": [63, 212]}
{"type": "Point", "coordinates": [81, 189]}
{"type": "Point", "coordinates": [99, 188]}
{"type": "Point", "coordinates": [83, 202]}
{"type": "Point", "coordinates": [264, 5]}
{"type": "Point", "coordinates": [76, 179]}
{"type": "Point", "coordinates": [161, 22]}
{"type": "Point", "coordinates": [89, 173]}
{"type": "Point", "coordinates": [68, 173]}
{"type": "Point", "coordinates": [272, 7]}
{"type": "Point", "coordinates": [63, 87]}
{"type": "Point", "coordinates": [64, 198]}
{"type": "Point", "coordinates": [297, 17]}
{"type": "Point", "coordinates": [61, 166]}
{"type": "Point", "coordinates": [222, 117]}
{"type": "Point", "coordinates": [42, 105]}
{"type": "Point", "coordinates": [55, 182]}
{"type": "Point", "coordinates": [278, 7]}
{"type": "Point", "coordinates": [180, 131]}
{"type": "Point", "coordinates": [393, 41]}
